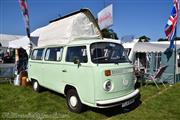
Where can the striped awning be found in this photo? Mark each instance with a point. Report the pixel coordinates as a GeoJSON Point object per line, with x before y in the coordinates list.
{"type": "Point", "coordinates": [151, 47]}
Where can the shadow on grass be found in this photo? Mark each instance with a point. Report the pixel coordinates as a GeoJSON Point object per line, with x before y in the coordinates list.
{"type": "Point", "coordinates": [52, 92]}
{"type": "Point", "coordinates": [109, 112]}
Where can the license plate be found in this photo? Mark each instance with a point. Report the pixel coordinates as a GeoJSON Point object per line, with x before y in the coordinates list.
{"type": "Point", "coordinates": [124, 104]}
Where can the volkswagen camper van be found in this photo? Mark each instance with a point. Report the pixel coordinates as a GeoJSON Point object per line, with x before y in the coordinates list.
{"type": "Point", "coordinates": [95, 73]}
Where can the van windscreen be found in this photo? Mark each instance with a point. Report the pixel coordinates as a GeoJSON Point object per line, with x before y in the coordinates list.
{"type": "Point", "coordinates": [108, 52]}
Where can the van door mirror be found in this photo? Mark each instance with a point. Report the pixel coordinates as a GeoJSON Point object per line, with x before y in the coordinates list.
{"type": "Point", "coordinates": [77, 61]}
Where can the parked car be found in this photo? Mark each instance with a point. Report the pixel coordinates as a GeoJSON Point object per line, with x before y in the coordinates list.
{"type": "Point", "coordinates": [96, 73]}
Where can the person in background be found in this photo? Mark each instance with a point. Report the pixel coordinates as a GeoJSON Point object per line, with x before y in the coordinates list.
{"type": "Point", "coordinates": [23, 59]}
{"type": "Point", "coordinates": [7, 58]}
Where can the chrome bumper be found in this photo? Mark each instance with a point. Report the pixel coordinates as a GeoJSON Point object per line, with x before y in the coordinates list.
{"type": "Point", "coordinates": [117, 101]}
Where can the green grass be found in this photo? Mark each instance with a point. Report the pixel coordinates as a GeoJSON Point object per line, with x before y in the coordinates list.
{"type": "Point", "coordinates": [21, 102]}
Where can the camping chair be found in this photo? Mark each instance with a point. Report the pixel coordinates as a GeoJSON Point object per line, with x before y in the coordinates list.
{"type": "Point", "coordinates": [7, 72]}
{"type": "Point", "coordinates": [157, 75]}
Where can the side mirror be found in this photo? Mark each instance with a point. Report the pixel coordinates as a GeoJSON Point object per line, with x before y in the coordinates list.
{"type": "Point", "coordinates": [77, 61]}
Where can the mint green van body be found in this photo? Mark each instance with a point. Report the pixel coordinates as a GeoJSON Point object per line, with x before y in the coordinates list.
{"type": "Point", "coordinates": [102, 81]}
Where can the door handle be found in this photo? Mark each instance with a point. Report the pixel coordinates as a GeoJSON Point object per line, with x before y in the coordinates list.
{"type": "Point", "coordinates": [64, 70]}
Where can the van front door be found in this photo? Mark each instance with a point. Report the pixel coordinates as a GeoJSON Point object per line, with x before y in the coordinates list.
{"type": "Point", "coordinates": [79, 72]}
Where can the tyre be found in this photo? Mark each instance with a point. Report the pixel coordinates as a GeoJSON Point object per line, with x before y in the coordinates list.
{"type": "Point", "coordinates": [36, 86]}
{"type": "Point", "coordinates": [73, 102]}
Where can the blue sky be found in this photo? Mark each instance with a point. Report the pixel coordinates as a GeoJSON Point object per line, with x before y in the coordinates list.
{"type": "Point", "coordinates": [130, 17]}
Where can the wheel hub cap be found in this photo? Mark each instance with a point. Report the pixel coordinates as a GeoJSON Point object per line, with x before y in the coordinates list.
{"type": "Point", "coordinates": [35, 85]}
{"type": "Point", "coordinates": [73, 101]}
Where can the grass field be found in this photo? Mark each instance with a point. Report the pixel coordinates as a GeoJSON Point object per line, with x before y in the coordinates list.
{"type": "Point", "coordinates": [22, 102]}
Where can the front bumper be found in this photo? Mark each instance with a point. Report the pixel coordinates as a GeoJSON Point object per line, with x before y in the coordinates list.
{"type": "Point", "coordinates": [117, 101]}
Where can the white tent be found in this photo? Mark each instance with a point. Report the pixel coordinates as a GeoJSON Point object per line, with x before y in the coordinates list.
{"type": "Point", "coordinates": [146, 47]}
{"type": "Point", "coordinates": [24, 42]}
{"type": "Point", "coordinates": [6, 38]}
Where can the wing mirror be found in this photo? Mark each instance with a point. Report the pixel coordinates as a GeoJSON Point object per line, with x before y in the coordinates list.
{"type": "Point", "coordinates": [77, 61]}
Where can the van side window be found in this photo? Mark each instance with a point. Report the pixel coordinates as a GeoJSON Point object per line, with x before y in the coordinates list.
{"type": "Point", "coordinates": [53, 54]}
{"type": "Point", "coordinates": [77, 53]}
{"type": "Point", "coordinates": [37, 54]}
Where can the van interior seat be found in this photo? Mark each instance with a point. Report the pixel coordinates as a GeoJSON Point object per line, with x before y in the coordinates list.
{"type": "Point", "coordinates": [97, 52]}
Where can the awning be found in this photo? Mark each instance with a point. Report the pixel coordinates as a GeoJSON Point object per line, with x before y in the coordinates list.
{"type": "Point", "coordinates": [147, 47]}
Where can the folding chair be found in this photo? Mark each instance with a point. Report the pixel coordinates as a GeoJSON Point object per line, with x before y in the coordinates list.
{"type": "Point", "coordinates": [157, 75]}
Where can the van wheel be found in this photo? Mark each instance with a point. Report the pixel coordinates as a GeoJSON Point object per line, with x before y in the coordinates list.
{"type": "Point", "coordinates": [36, 86]}
{"type": "Point", "coordinates": [73, 101]}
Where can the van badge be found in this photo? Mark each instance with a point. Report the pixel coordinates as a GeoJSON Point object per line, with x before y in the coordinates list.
{"type": "Point", "coordinates": [125, 82]}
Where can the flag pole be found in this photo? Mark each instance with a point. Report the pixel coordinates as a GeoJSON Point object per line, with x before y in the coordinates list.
{"type": "Point", "coordinates": [175, 35]}
{"type": "Point", "coordinates": [175, 49]}
{"type": "Point", "coordinates": [30, 45]}
{"type": "Point", "coordinates": [175, 32]}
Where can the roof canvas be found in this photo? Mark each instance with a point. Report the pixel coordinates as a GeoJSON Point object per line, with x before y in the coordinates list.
{"type": "Point", "coordinates": [75, 26]}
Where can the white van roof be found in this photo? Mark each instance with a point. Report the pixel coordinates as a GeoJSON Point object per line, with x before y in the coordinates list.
{"type": "Point", "coordinates": [82, 42]}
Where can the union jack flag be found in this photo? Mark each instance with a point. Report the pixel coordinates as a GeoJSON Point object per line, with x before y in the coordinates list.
{"type": "Point", "coordinates": [23, 6]}
{"type": "Point", "coordinates": [171, 24]}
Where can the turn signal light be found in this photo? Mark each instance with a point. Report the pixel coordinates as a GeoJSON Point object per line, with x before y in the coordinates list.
{"type": "Point", "coordinates": [107, 72]}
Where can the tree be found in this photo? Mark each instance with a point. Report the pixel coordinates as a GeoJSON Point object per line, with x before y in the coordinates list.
{"type": "Point", "coordinates": [109, 33]}
{"type": "Point", "coordinates": [177, 38]}
{"type": "Point", "coordinates": [144, 39]}
{"type": "Point", "coordinates": [162, 39]}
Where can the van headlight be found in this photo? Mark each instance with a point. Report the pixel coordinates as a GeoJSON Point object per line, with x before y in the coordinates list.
{"type": "Point", "coordinates": [107, 85]}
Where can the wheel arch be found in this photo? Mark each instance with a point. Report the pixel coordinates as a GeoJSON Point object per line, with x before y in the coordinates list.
{"type": "Point", "coordinates": [32, 80]}
{"type": "Point", "coordinates": [68, 87]}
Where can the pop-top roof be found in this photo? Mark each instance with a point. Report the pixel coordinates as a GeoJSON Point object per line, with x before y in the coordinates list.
{"type": "Point", "coordinates": [77, 25]}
